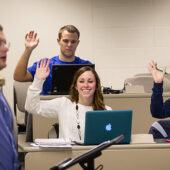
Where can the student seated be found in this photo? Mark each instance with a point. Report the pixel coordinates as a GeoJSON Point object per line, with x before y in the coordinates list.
{"type": "Point", "coordinates": [159, 108]}
{"type": "Point", "coordinates": [85, 95]}
{"type": "Point", "coordinates": [68, 40]}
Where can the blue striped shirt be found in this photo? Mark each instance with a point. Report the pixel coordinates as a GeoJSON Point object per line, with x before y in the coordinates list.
{"type": "Point", "coordinates": [8, 152]}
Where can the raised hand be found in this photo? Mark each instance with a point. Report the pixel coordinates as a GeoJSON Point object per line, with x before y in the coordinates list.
{"type": "Point", "coordinates": [43, 69]}
{"type": "Point", "coordinates": [156, 74]}
{"type": "Point", "coordinates": [31, 40]}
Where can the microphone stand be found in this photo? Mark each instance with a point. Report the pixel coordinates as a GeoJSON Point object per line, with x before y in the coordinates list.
{"type": "Point", "coordinates": [90, 162]}
{"type": "Point", "coordinates": [87, 157]}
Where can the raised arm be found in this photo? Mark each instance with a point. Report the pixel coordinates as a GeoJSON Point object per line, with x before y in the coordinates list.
{"type": "Point", "coordinates": [156, 74]}
{"type": "Point", "coordinates": [158, 108]}
{"type": "Point", "coordinates": [21, 73]}
{"type": "Point", "coordinates": [43, 69]}
{"type": "Point", "coordinates": [33, 103]}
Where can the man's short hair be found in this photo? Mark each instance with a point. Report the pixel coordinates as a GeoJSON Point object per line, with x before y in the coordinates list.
{"type": "Point", "coordinates": [1, 28]}
{"type": "Point", "coordinates": [69, 28]}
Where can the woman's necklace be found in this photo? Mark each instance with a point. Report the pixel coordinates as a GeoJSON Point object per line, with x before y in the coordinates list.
{"type": "Point", "coordinates": [78, 121]}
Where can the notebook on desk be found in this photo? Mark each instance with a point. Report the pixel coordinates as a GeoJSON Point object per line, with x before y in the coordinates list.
{"type": "Point", "coordinates": [62, 77]}
{"type": "Point", "coordinates": [105, 125]}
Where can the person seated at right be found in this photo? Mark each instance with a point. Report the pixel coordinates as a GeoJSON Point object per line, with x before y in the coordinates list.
{"type": "Point", "coordinates": [68, 40]}
{"type": "Point", "coordinates": [159, 108]}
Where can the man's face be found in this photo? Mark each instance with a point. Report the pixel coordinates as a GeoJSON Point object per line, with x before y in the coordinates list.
{"type": "Point", "coordinates": [68, 43]}
{"type": "Point", "coordinates": [3, 50]}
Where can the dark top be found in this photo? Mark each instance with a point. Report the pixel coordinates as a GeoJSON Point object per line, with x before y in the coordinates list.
{"type": "Point", "coordinates": [159, 108]}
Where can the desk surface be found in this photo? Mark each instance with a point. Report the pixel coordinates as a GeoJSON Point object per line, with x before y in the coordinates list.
{"type": "Point", "coordinates": [138, 102]}
{"type": "Point", "coordinates": [26, 146]}
{"type": "Point", "coordinates": [121, 95]}
{"type": "Point", "coordinates": [119, 157]}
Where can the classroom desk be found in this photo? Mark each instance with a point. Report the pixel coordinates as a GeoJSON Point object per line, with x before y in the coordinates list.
{"type": "Point", "coordinates": [119, 157]}
{"type": "Point", "coordinates": [138, 102]}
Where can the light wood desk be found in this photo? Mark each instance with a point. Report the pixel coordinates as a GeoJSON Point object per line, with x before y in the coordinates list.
{"type": "Point", "coordinates": [138, 102]}
{"type": "Point", "coordinates": [118, 157]}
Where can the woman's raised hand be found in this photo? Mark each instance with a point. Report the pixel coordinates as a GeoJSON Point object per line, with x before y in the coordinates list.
{"type": "Point", "coordinates": [43, 69]}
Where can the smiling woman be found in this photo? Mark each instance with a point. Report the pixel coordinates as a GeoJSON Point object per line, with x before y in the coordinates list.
{"type": "Point", "coordinates": [85, 95]}
{"type": "Point", "coordinates": [86, 88]}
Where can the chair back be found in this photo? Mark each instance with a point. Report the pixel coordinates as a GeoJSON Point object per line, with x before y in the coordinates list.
{"type": "Point", "coordinates": [147, 82]}
{"type": "Point", "coordinates": [20, 93]}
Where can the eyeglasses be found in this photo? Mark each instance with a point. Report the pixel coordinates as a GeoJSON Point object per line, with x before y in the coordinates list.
{"type": "Point", "coordinates": [4, 43]}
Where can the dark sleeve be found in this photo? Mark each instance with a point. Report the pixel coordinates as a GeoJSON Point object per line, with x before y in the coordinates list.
{"type": "Point", "coordinates": [159, 109]}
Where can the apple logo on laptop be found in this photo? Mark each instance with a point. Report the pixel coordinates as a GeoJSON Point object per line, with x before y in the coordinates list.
{"type": "Point", "coordinates": [108, 127]}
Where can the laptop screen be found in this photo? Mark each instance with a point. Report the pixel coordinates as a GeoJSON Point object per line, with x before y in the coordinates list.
{"type": "Point", "coordinates": [105, 125]}
{"type": "Point", "coordinates": [62, 77]}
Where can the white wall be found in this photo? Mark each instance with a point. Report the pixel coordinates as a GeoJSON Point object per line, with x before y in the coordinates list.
{"type": "Point", "coordinates": [120, 36]}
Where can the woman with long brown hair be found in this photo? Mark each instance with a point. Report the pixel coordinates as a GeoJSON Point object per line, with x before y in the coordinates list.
{"type": "Point", "coordinates": [85, 95]}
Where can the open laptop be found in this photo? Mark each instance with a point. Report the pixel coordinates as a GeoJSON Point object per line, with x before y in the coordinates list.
{"type": "Point", "coordinates": [62, 77]}
{"type": "Point", "coordinates": [105, 125]}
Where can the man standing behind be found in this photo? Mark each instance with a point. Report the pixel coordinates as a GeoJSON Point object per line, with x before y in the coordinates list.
{"type": "Point", "coordinates": [68, 40]}
{"type": "Point", "coordinates": [8, 152]}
